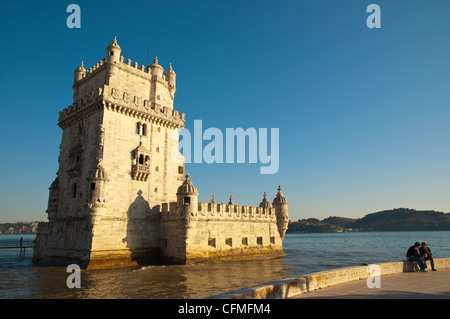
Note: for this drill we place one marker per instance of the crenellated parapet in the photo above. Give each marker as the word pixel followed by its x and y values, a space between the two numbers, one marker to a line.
pixel 84 106
pixel 123 103
pixel 194 231
pixel 221 212
pixel 235 212
pixel 153 72
pixel 101 86
pixel 82 74
pixel 204 211
pixel 147 73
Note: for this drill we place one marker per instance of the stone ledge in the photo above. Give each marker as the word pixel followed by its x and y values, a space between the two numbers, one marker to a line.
pixel 286 288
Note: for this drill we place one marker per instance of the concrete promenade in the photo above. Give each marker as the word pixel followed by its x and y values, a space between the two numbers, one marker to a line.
pixel 396 280
pixel 406 285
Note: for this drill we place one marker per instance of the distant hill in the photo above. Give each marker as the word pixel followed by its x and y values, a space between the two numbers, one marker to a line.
pixel 405 219
pixel 399 219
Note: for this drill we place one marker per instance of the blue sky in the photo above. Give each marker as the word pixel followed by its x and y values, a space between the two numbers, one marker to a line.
pixel 362 113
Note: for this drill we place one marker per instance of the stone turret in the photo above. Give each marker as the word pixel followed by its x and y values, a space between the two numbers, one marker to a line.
pixel 187 200
pixel 281 207
pixel 79 72
pixel 112 58
pixel 97 194
pixel 170 78
pixel 53 199
pixel 156 69
pixel 113 52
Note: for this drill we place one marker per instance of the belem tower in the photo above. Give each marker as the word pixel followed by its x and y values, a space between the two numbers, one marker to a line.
pixel 120 198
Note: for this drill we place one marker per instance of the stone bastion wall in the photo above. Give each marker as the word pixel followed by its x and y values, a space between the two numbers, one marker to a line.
pixel 290 287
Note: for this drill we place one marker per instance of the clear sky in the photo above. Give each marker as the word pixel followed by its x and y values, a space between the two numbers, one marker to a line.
pixel 363 114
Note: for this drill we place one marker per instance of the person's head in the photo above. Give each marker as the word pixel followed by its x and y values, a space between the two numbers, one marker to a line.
pixel 424 244
pixel 417 244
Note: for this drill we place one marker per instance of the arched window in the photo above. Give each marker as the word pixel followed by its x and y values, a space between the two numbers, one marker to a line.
pixel 141 129
pixel 138 128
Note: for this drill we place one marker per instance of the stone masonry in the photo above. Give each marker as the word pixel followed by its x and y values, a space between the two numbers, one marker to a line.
pixel 121 196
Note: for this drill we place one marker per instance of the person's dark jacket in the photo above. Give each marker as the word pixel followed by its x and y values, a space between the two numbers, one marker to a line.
pixel 423 252
pixel 412 252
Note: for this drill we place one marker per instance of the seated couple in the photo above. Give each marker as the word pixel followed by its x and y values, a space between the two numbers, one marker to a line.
pixel 420 253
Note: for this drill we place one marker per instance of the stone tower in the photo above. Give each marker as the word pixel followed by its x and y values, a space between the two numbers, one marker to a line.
pixel 121 196
pixel 118 162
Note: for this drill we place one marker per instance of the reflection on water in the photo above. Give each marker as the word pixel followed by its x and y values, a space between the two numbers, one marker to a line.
pixel 174 281
pixel 305 253
pixel 181 281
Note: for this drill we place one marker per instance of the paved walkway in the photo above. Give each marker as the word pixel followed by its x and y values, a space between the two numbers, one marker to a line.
pixel 407 285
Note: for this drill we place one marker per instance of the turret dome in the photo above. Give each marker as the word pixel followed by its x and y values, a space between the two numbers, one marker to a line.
pixel 114 44
pixel 98 173
pixel 113 52
pixel 187 188
pixel 279 199
pixel 265 202
pixel 155 68
pixel 169 70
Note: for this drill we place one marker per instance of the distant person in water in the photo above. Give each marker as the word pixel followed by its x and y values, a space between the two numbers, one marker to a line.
pixel 425 252
pixel 413 254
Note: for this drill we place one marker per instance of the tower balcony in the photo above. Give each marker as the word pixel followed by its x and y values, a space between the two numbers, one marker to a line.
pixel 141 172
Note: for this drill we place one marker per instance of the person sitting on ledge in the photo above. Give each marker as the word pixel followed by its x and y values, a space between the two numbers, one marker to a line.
pixel 413 255
pixel 425 252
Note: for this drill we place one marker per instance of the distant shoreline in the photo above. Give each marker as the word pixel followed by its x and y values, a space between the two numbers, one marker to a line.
pixel 399 219
pixel 367 231
pixel 19 228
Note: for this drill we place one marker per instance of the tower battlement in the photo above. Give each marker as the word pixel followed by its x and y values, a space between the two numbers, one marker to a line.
pixel 223 212
pixel 82 74
pixel 121 198
pixel 143 92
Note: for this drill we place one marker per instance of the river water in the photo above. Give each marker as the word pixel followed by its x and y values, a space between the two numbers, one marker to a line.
pixel 305 253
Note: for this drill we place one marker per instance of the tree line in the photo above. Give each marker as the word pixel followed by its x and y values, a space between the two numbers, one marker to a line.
pixel 399 219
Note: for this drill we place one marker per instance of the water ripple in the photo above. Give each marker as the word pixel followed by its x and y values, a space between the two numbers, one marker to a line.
pixel 305 253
